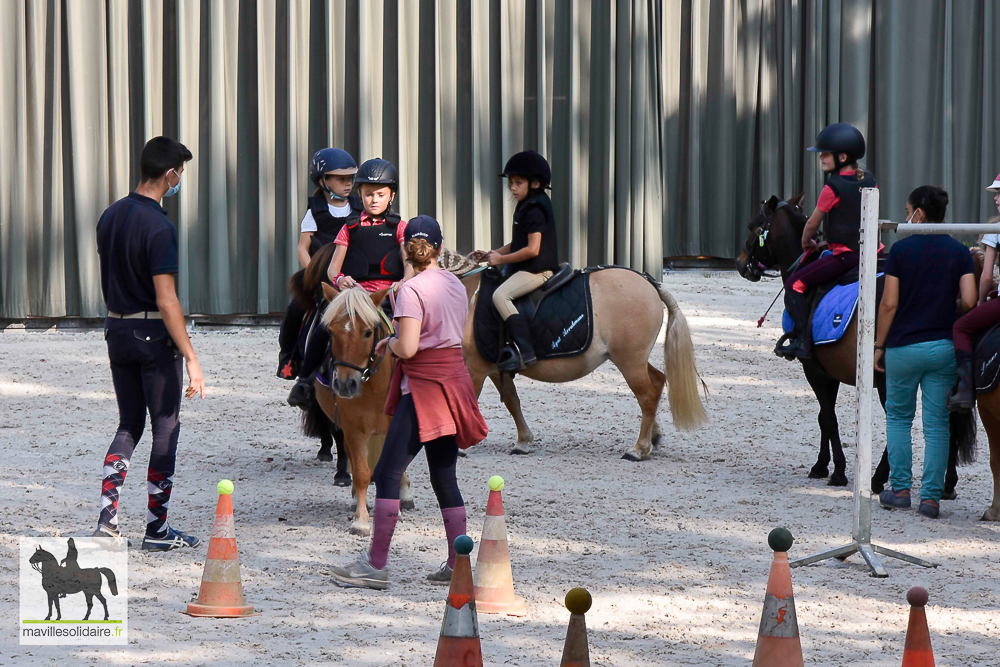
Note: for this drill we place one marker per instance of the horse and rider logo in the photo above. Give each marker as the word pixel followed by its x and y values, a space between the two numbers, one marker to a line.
pixel 59 582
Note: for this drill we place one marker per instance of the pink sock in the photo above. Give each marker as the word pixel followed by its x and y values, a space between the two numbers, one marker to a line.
pixel 454 526
pixel 386 516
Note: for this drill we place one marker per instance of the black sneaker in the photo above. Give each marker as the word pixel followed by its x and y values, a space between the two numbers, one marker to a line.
pixel 173 539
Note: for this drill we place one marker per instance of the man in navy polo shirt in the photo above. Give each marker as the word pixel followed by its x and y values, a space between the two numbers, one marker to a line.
pixel 146 338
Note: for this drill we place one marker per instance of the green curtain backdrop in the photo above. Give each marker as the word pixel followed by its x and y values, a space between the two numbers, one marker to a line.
pixel 665 121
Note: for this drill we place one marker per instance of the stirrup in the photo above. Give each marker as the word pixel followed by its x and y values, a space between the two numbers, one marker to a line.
pixel 510 360
pixel 787 346
pixel 958 403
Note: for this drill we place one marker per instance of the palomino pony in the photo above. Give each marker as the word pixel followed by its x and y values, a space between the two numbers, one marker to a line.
pixel 628 313
pixel 356 398
pixel 775 243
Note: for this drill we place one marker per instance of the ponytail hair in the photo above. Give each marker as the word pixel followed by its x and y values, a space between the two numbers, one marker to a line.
pixel 933 201
pixel 420 253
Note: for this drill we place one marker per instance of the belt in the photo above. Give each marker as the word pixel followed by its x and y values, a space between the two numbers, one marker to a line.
pixel 144 315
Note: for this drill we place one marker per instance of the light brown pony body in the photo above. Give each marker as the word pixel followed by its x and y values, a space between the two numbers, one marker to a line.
pixel 628 314
pixel 358 405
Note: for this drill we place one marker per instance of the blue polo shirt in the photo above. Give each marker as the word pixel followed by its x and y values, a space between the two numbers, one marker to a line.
pixel 929 267
pixel 136 241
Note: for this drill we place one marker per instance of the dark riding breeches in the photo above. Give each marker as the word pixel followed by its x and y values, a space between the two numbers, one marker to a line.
pixel 820 272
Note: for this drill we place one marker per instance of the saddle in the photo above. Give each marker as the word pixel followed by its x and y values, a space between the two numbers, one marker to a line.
pixel 832 306
pixel 560 314
pixel 986 360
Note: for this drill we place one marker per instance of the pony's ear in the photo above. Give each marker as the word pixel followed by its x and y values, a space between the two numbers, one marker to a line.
pixel 329 292
pixel 378 297
pixel 796 201
pixel 771 203
pixel 38 548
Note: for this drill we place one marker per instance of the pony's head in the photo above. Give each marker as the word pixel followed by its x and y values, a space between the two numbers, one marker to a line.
pixel 39 558
pixel 356 325
pixel 775 238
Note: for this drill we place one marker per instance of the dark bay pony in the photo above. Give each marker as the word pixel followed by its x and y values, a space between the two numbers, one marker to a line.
pixel 989 412
pixel 774 244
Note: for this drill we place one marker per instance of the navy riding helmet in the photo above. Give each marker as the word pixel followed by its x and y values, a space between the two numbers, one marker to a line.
pixel 840 138
pixel 529 164
pixel 331 161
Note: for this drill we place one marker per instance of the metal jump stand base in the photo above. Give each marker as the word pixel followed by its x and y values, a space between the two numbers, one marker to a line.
pixel 868 551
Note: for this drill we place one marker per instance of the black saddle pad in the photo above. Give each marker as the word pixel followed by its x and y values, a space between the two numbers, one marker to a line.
pixel 986 367
pixel 562 324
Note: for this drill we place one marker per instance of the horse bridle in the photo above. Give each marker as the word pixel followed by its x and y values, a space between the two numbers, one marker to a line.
pixel 374 360
pixel 758 265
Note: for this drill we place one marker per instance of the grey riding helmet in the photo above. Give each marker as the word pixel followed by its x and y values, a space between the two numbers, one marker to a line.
pixel 378 172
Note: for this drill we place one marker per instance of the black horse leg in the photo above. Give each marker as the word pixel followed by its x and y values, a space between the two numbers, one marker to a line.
pixel 55 599
pixel 90 604
pixel 325 452
pixel 49 617
pixel 826 390
pixel 881 476
pixel 342 477
pixel 103 602
pixel 951 475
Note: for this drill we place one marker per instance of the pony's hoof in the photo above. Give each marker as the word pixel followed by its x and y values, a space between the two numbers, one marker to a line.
pixel 877 486
pixel 629 456
pixel 361 528
pixel 324 455
pixel 342 479
pixel 949 494
pixel 837 479
pixel 819 472
pixel 462 453
pixel 407 505
pixel 520 450
pixel 991 514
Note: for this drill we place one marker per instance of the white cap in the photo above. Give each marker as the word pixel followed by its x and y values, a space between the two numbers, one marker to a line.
pixel 995 187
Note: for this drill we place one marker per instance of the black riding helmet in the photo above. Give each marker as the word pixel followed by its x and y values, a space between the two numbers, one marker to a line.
pixel 840 138
pixel 378 172
pixel 529 164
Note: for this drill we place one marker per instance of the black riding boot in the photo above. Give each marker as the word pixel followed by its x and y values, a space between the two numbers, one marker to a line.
pixel 799 343
pixel 302 394
pixel 963 395
pixel 519 353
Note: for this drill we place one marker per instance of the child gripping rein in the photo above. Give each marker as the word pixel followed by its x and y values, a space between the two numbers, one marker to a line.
pixel 531 255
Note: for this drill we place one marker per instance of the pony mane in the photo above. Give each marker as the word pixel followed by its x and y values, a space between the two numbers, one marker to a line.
pixel 351 304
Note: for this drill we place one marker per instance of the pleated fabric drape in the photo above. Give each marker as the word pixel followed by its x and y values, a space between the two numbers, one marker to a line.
pixel 665 121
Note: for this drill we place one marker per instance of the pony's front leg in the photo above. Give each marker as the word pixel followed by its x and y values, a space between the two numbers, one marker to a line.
pixel 406 493
pixel 55 599
pixel 508 392
pixel 90 606
pixel 49 617
pixel 357 450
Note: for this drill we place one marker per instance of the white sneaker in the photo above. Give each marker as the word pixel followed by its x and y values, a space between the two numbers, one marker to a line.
pixel 442 575
pixel 361 574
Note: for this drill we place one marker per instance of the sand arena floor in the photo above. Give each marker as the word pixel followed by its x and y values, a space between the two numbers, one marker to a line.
pixel 673 549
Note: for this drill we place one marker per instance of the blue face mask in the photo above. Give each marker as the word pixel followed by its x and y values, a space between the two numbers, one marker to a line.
pixel 171 191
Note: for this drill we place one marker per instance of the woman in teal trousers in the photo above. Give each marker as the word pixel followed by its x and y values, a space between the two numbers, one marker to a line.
pixel 925 275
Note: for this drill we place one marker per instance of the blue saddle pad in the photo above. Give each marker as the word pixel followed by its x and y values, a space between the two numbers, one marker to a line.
pixel 833 314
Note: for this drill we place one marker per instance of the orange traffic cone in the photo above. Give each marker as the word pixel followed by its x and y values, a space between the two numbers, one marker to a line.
pixel 494 579
pixel 221 594
pixel 917 652
pixel 778 639
pixel 576 652
pixel 458 645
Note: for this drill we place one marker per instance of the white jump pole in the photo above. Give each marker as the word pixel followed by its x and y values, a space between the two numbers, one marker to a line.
pixel 862 529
